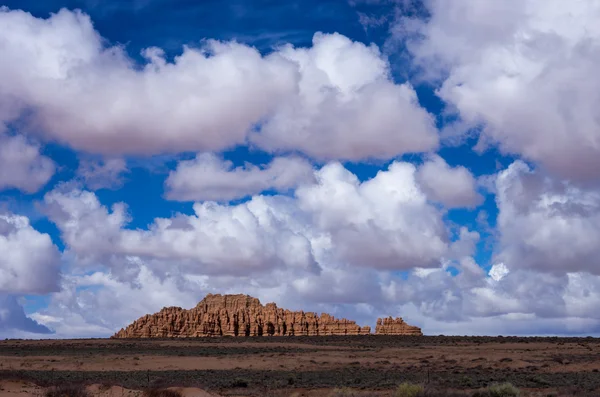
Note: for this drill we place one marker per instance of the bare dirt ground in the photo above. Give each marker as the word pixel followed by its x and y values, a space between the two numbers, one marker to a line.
pixel 301 366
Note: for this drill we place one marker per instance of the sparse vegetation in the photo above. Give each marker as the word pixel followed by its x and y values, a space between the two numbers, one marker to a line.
pixel 344 392
pixel 348 392
pixel 408 390
pixel 240 382
pixel 67 391
pixel 499 390
pixel 161 393
pixel 441 393
pixel 448 372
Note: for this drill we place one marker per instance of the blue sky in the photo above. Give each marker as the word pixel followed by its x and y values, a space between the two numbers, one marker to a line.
pixel 431 160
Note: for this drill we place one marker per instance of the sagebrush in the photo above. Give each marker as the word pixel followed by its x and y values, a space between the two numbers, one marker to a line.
pixel 499 390
pixel 408 390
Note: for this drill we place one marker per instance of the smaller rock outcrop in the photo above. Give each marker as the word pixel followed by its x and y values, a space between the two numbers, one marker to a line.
pixel 397 326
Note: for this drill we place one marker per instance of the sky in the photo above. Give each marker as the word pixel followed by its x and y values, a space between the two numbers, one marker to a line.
pixel 427 159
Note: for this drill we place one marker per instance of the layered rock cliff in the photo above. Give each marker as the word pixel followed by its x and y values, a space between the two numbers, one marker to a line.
pixel 390 326
pixel 237 315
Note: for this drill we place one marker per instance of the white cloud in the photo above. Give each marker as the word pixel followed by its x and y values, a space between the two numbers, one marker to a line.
pixel 545 280
pixel 546 265
pixel 99 304
pixel 525 70
pixel 107 105
pixel 384 222
pixel 22 166
pixel 284 249
pixel 208 177
pixel 465 245
pixel 335 99
pixel 529 302
pixel 102 174
pixel 252 237
pixel 86 226
pixel 454 187
pixel 347 106
pixel 29 263
pixel 546 224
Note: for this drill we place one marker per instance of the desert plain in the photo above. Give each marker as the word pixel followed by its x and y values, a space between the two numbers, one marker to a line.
pixel 372 365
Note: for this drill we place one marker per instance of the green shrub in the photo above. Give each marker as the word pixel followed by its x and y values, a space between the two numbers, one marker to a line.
pixel 466 381
pixel 408 390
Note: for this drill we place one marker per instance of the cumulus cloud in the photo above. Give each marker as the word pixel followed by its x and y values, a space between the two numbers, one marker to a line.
pixel 98 304
pixel 522 70
pixel 208 177
pixel 254 236
pixel 454 187
pixel 545 267
pixel 384 222
pixel 22 166
pixel 205 100
pixel 546 224
pixel 347 106
pixel 333 100
pixel 521 301
pixel 30 262
pixel 102 174
pixel 304 252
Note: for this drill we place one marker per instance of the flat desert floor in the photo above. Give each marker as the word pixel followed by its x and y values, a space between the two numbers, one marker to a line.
pixel 301 366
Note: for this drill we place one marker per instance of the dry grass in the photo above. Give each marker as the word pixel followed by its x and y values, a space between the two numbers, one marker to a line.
pixel 409 390
pixel 499 390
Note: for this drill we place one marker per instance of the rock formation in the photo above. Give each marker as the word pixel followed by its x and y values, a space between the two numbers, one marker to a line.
pixel 390 326
pixel 237 315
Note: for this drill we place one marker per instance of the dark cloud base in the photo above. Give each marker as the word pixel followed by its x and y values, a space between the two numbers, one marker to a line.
pixel 13 317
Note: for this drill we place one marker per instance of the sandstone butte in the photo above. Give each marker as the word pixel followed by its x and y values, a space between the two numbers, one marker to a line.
pixel 397 326
pixel 243 315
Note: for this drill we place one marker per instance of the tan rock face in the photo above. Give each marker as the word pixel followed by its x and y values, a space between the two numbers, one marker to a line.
pixel 390 326
pixel 237 315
